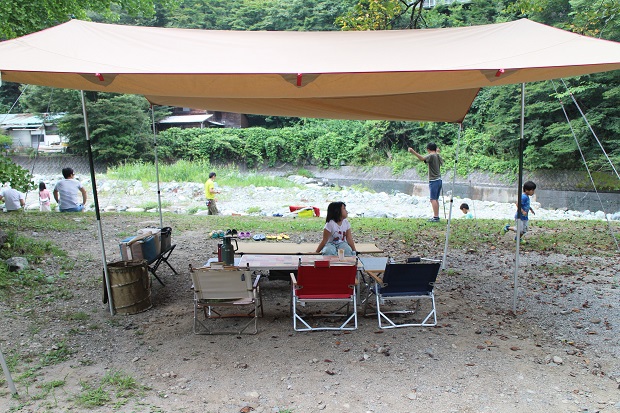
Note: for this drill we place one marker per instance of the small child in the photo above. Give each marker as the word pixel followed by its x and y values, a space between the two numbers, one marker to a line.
pixel 528 190
pixel 465 209
pixel 44 198
pixel 337 232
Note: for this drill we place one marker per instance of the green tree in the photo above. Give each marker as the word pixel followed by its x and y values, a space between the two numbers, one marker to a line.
pixel 119 127
pixel 42 99
pixel 18 18
pixel 382 15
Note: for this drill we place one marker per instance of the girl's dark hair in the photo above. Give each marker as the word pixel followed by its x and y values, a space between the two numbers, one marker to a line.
pixel 334 211
pixel 212 174
pixel 41 186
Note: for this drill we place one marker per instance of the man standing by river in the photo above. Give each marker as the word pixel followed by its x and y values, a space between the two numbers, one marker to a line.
pixel 210 192
pixel 434 162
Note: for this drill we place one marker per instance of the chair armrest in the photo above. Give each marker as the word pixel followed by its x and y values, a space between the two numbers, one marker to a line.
pixel 376 278
pixel 293 279
pixel 255 285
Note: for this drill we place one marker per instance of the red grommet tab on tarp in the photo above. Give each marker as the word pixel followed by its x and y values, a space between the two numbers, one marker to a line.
pixel 499 73
pixel 99 76
pixel 299 76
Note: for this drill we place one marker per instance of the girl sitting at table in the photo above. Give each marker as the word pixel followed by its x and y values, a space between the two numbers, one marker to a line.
pixel 337 232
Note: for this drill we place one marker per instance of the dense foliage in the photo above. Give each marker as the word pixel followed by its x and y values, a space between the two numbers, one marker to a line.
pixel 19 17
pixel 120 125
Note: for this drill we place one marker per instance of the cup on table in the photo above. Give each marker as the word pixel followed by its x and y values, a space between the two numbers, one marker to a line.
pixel 340 254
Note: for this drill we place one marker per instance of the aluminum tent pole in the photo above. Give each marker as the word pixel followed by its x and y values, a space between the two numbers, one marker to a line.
pixel 161 221
pixel 7 374
pixel 106 275
pixel 520 184
pixel 456 159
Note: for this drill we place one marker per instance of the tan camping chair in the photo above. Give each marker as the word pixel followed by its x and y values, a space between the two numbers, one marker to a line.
pixel 222 293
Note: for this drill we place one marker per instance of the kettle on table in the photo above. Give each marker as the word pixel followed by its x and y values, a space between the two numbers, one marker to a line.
pixel 228 252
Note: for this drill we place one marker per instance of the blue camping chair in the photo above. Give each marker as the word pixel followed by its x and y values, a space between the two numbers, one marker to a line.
pixel 402 285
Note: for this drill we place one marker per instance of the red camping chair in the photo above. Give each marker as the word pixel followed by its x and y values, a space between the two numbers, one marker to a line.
pixel 324 283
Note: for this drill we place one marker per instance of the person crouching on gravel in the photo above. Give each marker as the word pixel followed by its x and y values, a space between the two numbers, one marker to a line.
pixel 337 232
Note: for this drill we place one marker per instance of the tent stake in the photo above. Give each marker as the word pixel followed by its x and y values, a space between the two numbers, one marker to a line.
pixel 106 276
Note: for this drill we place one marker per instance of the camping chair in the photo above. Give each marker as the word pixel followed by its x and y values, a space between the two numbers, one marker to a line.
pixel 217 290
pixel 411 281
pixel 324 282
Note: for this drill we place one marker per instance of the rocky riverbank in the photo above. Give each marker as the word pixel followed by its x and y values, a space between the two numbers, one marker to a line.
pixel 188 198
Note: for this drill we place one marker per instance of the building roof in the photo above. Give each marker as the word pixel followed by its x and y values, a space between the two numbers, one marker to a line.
pixel 25 120
pixel 20 120
pixel 186 119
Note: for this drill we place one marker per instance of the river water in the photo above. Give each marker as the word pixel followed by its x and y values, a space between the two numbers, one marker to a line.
pixel 548 199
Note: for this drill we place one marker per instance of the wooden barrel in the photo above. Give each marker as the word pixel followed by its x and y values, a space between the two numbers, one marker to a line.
pixel 130 284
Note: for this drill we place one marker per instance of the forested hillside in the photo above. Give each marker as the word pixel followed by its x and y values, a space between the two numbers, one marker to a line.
pixel 121 124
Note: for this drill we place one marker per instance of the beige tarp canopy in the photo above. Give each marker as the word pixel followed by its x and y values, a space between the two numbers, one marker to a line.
pixel 429 75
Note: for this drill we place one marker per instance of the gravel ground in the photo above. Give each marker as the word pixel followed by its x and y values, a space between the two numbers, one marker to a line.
pixel 559 353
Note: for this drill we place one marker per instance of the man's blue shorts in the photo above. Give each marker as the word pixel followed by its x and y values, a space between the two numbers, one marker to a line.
pixel 78 208
pixel 435 188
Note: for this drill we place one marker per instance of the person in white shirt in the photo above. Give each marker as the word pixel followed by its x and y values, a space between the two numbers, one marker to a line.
pixel 13 199
pixel 66 193
pixel 337 232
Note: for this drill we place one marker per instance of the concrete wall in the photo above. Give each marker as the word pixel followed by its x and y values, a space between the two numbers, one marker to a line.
pixel 46 164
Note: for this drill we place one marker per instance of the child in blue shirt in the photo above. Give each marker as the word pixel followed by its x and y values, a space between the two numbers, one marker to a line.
pixel 465 209
pixel 528 190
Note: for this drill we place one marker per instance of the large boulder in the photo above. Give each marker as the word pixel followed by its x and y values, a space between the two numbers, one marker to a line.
pixel 17 263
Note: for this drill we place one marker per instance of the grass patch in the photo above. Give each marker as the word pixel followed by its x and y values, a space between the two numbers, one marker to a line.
pixel 565 237
pixel 77 316
pixel 47 222
pixel 57 355
pixel 92 397
pixel 361 188
pixel 305 173
pixel 154 205
pixel 195 171
pixel 33 249
pixel 115 388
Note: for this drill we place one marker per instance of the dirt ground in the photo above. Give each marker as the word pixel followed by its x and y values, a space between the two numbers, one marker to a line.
pixel 559 353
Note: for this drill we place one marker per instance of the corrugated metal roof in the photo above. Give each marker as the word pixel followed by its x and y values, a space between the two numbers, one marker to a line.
pixel 20 120
pixel 186 119
pixel 23 120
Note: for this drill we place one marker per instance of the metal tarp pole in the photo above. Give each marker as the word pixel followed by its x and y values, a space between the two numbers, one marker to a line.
pixel 456 159
pixel 106 275
pixel 518 215
pixel 161 221
pixel 7 374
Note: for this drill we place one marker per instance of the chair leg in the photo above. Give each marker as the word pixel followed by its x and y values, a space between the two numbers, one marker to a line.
pixel 350 316
pixel 389 323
